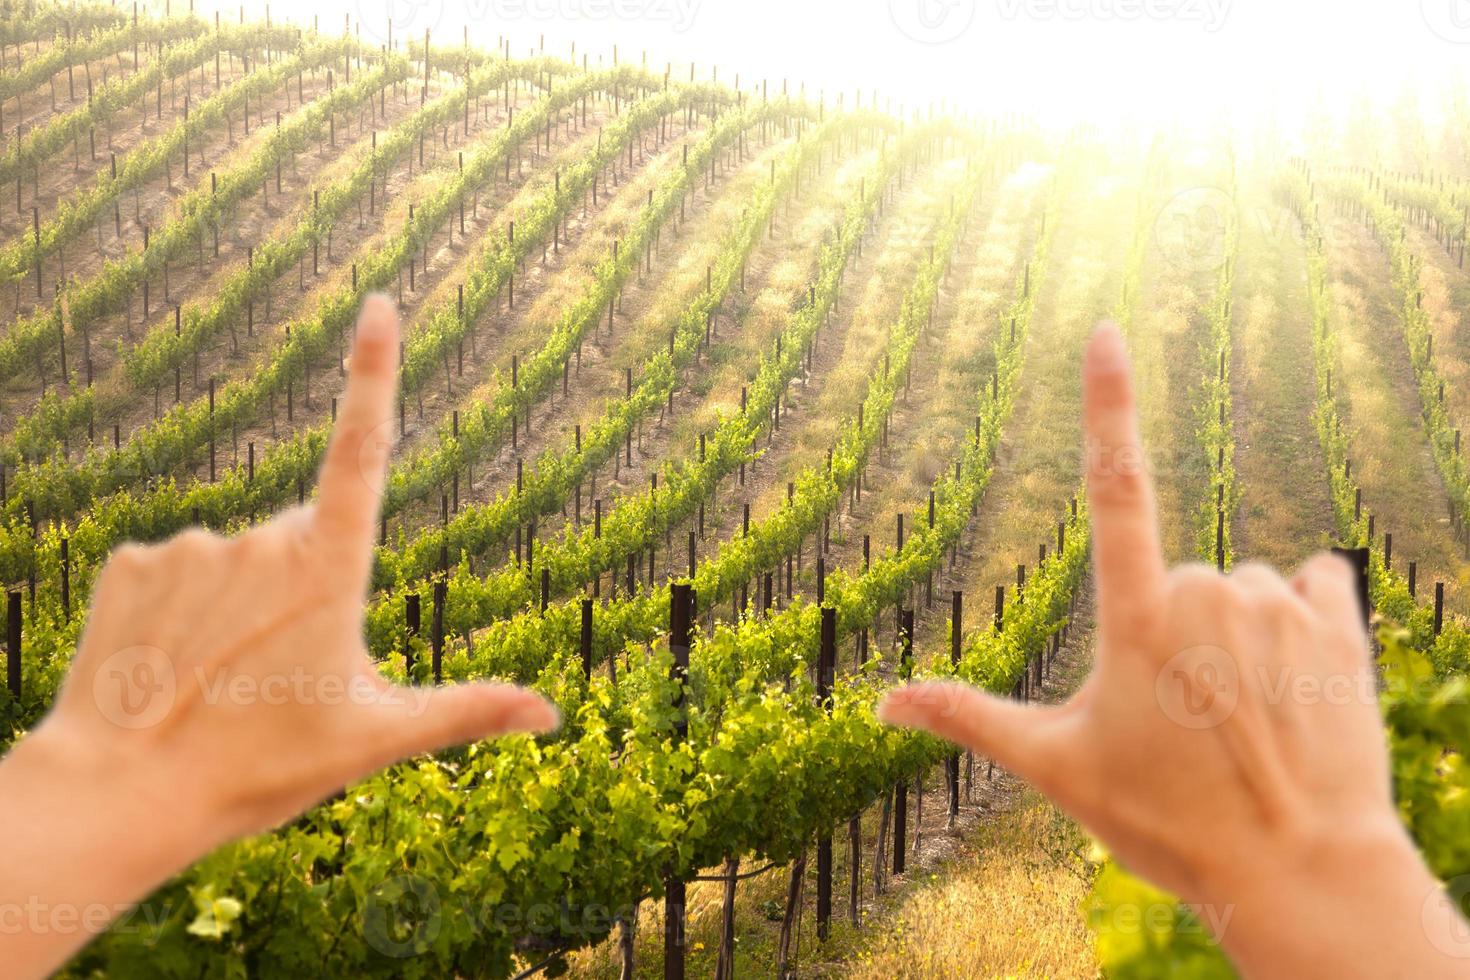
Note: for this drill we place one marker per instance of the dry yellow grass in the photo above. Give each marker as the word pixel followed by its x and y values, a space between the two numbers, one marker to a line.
pixel 1006 909
pixel 1003 896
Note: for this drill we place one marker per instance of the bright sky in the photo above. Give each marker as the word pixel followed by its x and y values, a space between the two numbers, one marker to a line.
pixel 1105 61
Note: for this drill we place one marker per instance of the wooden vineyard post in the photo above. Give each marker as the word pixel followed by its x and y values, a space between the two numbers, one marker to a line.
pixel 1358 558
pixel 674 939
pixel 66 579
pixel 952 765
pixel 901 791
pixel 1438 607
pixel 36 228
pixel 1220 539
pixel 441 589
pixel 826 670
pixel 1000 622
pixel 411 622
pixel 12 642
pixel 211 431
pixel 585 644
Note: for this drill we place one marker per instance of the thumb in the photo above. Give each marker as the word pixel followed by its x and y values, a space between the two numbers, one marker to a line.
pixel 1016 736
pixel 428 719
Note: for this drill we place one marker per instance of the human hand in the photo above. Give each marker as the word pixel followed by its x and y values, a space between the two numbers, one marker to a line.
pixel 1227 744
pixel 222 685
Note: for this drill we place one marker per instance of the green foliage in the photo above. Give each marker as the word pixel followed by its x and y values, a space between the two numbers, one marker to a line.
pixel 81 210
pixel 85 47
pixel 26 22
pixel 153 361
pixel 552 478
pixel 174 441
pixel 1215 428
pixel 641 519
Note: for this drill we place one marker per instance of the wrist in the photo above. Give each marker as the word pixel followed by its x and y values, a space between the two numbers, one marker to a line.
pixel 116 816
pixel 84 835
pixel 1353 899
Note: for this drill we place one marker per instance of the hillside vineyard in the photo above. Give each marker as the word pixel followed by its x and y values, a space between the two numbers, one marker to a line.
pixel 724 407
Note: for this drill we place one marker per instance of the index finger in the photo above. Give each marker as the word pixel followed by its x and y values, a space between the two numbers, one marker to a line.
pixel 357 457
pixel 1129 559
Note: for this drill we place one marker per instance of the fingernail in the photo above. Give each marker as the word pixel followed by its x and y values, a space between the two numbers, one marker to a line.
pixel 898 709
pixel 376 322
pixel 1106 349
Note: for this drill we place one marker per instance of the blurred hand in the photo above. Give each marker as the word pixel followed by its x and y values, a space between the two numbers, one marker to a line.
pixel 222 684
pixel 1227 744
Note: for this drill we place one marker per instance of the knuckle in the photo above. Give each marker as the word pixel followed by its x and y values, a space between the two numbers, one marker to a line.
pixel 243 546
pixel 1261 580
pixel 128 567
pixel 1197 590
pixel 1328 567
pixel 1281 611
pixel 299 547
pixel 349 442
pixel 1142 623
pixel 128 559
pixel 1116 488
pixel 193 544
pixel 1196 579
